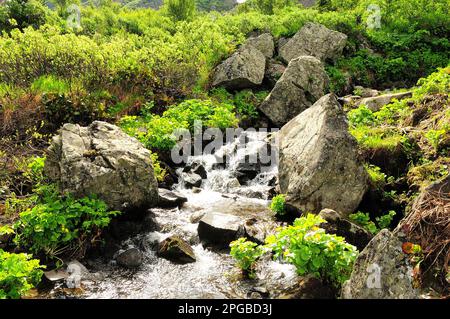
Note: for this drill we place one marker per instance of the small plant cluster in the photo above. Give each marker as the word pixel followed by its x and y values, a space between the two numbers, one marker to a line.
pixel 246 253
pixel 245 102
pixel 61 225
pixel 305 245
pixel 278 205
pixel 377 178
pixel 363 219
pixel 156 132
pixel 18 274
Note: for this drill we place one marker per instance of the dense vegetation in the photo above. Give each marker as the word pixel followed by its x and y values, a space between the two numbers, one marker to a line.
pixel 149 72
pixel 305 245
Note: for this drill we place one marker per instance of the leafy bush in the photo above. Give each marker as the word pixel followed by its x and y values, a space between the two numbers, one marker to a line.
pixel 385 221
pixel 58 225
pixel 72 108
pixel 363 219
pixel 313 251
pixel 245 102
pixel 245 253
pixel 157 132
pixel 18 274
pixel 437 82
pixel 218 115
pixel 268 6
pixel 361 116
pixel 378 179
pixel 22 14
pixel 278 205
pixel 49 84
pixel 160 173
pixel 35 170
pixel 180 10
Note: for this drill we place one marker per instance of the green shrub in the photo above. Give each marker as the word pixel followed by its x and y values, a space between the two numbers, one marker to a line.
pixel 219 115
pixel 313 251
pixel 71 108
pixel 154 132
pixel 268 6
pixel 363 219
pixel 245 253
pixel 160 173
pixel 18 274
pixel 61 225
pixel 378 179
pixel 49 84
pixel 385 221
pixel 437 82
pixel 361 116
pixel 278 204
pixel 378 137
pixel 158 131
pixel 35 170
pixel 22 13
pixel 180 10
pixel 435 137
pixel 245 102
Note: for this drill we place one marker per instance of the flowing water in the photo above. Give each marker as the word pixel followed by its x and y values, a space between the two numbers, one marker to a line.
pixel 213 275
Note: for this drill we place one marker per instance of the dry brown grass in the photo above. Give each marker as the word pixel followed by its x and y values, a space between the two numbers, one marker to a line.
pixel 428 225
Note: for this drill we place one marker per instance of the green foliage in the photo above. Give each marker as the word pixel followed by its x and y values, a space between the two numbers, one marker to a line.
pixel 278 205
pixel 377 178
pixel 49 84
pixel 363 219
pixel 35 170
pixel 58 225
pixel 215 5
pixel 385 221
pixel 245 253
pixel 378 137
pixel 435 137
pixel 268 6
pixel 218 115
pixel 437 82
pixel 18 274
pixel 245 102
pixel 313 251
pixel 361 116
pixel 160 173
pixel 304 245
pixel 23 13
pixel 70 108
pixel 180 10
pixel 158 131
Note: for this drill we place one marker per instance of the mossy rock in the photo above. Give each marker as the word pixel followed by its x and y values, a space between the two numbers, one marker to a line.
pixel 177 250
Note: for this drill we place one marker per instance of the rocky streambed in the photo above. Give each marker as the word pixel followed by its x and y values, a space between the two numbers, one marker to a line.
pixel 231 200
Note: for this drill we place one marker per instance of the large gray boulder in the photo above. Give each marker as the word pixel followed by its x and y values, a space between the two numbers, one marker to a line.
pixel 381 271
pixel 101 159
pixel 316 40
pixel 319 165
pixel 263 43
pixel 302 84
pixel 244 69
